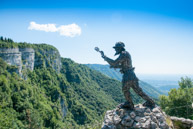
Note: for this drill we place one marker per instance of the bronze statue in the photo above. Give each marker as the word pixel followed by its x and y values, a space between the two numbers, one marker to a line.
pixel 129 80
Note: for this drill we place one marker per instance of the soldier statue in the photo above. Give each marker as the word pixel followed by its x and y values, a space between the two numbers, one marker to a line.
pixel 129 80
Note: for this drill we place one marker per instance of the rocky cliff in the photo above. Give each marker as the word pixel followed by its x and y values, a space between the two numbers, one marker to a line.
pixel 182 123
pixel 28 57
pixel 12 56
pixel 48 58
pixel 31 57
pixel 139 118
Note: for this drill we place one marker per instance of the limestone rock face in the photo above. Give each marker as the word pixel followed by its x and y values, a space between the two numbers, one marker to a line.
pixel 55 60
pixel 28 56
pixel 22 58
pixel 63 107
pixel 12 56
pixel 139 118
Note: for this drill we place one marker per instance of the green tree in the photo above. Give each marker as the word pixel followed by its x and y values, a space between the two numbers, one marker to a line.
pixel 1 38
pixel 178 102
pixel 186 83
pixel 5 39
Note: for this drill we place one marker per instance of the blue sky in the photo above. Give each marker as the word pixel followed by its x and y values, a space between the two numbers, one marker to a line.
pixel 157 33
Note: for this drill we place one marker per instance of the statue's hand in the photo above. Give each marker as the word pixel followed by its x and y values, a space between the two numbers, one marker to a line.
pixel 102 54
pixel 98 50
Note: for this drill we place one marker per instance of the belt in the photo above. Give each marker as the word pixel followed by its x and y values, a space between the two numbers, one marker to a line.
pixel 127 70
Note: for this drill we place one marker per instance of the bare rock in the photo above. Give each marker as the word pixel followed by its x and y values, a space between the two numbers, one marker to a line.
pixel 182 122
pixel 139 118
pixel 116 119
pixel 127 121
pixel 132 114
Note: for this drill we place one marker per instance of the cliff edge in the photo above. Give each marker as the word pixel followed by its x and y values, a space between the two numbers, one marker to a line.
pixel 29 56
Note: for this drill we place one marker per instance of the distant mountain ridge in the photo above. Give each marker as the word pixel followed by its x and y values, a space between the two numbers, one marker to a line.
pixel 113 73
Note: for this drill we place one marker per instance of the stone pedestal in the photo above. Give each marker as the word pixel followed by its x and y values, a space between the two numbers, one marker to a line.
pixel 139 118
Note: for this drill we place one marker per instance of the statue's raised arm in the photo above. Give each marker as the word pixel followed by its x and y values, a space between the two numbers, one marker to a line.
pixel 98 50
pixel 112 63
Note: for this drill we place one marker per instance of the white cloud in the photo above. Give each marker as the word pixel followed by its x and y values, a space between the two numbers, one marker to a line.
pixel 70 30
pixel 43 27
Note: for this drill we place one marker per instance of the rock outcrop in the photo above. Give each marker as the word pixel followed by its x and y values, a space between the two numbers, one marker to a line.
pixel 63 107
pixel 139 118
pixel 12 56
pixel 48 58
pixel 28 58
pixel 181 123
pixel 22 58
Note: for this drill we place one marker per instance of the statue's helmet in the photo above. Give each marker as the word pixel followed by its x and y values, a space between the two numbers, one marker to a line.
pixel 119 45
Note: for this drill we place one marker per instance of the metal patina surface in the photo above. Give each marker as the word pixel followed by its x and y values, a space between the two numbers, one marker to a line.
pixel 129 80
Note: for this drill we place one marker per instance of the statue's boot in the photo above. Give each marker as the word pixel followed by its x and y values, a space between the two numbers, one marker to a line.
pixel 149 104
pixel 126 105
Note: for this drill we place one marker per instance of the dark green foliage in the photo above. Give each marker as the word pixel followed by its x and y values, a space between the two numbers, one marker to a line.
pixel 7 43
pixel 6 39
pixel 1 38
pixel 186 83
pixel 44 54
pixel 94 91
pixel 24 104
pixel 179 101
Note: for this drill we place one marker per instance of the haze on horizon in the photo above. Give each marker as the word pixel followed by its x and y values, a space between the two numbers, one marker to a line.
pixel 158 34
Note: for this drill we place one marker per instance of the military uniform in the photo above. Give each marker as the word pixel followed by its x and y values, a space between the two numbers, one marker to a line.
pixel 129 80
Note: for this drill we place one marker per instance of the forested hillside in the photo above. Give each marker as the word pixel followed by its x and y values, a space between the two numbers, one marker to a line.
pixel 43 97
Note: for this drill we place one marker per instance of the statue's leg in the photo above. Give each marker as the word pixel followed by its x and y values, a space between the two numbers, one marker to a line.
pixel 125 88
pixel 140 92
